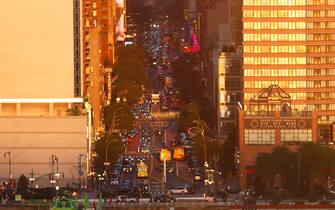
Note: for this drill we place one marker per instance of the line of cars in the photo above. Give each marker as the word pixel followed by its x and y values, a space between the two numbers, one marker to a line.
pixel 195 165
pixel 145 140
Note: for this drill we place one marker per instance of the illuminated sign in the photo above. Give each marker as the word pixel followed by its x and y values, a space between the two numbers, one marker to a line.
pixel 272 123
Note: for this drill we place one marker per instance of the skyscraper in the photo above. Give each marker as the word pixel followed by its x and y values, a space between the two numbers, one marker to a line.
pixel 40 90
pixel 290 43
pixel 98 54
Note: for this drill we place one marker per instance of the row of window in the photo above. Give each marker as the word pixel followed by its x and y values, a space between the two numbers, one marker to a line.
pixel 274 37
pixel 305 96
pixel 274 60
pixel 274 25
pixel 294 96
pixel 275 49
pixel 326 119
pixel 289 25
pixel 288 13
pixel 297 107
pixel 257 136
pixel 296 135
pixel 288 60
pixel 289 49
pixel 283 84
pixel 321 60
pixel 290 84
pixel 289 37
pixel 289 72
pixel 323 95
pixel 287 2
pixel 274 13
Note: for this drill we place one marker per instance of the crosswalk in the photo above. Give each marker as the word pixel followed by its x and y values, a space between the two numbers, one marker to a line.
pixel 158 124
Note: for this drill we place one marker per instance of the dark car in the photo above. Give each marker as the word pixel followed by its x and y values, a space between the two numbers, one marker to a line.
pixel 159 132
pixel 175 143
pixel 126 185
pixel 162 198
pixel 127 168
pixel 197 175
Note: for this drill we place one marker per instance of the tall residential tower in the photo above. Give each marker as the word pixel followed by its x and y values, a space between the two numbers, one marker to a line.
pixel 291 43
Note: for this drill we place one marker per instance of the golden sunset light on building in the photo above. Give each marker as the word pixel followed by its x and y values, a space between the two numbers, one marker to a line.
pixel 291 43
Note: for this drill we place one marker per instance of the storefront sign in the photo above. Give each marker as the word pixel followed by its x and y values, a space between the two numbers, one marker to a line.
pixel 272 123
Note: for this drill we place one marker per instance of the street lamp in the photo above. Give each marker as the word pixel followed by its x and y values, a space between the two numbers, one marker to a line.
pixel 108 143
pixel 9 164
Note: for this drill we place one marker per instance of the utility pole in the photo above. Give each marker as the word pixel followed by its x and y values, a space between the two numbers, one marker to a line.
pixel 164 177
pixel 31 178
pixel 9 165
pixel 298 172
pixel 80 172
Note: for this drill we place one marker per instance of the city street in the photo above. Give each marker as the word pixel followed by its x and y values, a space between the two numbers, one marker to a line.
pixel 177 171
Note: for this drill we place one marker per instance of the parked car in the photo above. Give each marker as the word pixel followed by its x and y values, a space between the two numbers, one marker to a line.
pixel 197 175
pixel 162 198
pixel 178 190
pixel 126 185
pixel 114 180
pixel 127 168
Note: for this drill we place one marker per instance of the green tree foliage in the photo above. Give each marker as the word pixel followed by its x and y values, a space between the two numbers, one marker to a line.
pixel 73 111
pixel 311 165
pixel 227 160
pixel 133 51
pixel 132 69
pixel 317 163
pixel 124 119
pixel 189 113
pixel 188 82
pixel 22 183
pixel 114 146
pixel 131 90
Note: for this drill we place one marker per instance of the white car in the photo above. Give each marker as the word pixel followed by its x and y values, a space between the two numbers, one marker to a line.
pixel 178 190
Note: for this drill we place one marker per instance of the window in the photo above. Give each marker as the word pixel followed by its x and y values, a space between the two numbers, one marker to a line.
pixel 296 135
pixel 257 136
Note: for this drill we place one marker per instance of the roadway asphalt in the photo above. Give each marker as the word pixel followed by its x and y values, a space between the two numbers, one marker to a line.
pixel 180 173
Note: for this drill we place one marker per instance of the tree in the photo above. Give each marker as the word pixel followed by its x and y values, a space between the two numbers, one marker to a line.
pixel 132 69
pixel 133 51
pixel 131 90
pixel 317 163
pixel 114 146
pixel 22 183
pixel 189 113
pixel 73 111
pixel 280 162
pixel 124 119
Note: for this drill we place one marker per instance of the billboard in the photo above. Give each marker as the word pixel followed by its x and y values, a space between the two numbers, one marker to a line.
pixel 37 49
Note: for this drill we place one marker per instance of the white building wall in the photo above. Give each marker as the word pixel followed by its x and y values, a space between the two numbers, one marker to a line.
pixel 32 140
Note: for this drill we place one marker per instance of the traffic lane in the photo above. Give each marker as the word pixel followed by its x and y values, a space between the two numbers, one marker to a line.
pixel 156 85
pixel 133 144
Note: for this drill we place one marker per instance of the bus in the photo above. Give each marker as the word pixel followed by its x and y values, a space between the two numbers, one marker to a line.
pixel 142 170
pixel 178 153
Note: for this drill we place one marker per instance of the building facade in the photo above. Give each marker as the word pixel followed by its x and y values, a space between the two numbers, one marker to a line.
pixel 290 43
pixel 220 28
pixel 40 91
pixel 99 45
pixel 229 89
pixel 275 124
pixel 259 133
pixel 31 141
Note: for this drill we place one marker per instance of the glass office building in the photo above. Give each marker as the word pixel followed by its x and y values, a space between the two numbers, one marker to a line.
pixel 291 43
